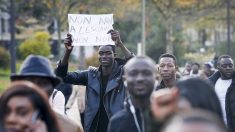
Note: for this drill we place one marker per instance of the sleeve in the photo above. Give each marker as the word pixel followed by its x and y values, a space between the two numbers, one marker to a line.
pixel 128 58
pixel 113 125
pixel 77 77
pixel 58 103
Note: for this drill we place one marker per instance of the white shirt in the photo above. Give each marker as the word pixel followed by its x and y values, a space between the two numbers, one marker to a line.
pixel 221 87
pixel 58 102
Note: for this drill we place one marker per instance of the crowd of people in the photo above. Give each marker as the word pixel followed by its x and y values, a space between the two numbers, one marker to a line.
pixel 134 94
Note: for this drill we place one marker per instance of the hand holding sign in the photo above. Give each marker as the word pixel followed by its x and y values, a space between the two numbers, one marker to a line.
pixel 115 37
pixel 68 42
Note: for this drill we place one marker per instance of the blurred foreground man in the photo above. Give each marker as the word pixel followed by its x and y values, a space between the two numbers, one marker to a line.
pixel 140 82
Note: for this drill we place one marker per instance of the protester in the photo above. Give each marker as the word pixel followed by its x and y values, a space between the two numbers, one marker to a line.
pixel 185 96
pixel 195 121
pixel 224 85
pixel 37 69
pixel 195 72
pixel 24 107
pixel 167 69
pixel 105 92
pixel 207 70
pixel 139 79
pixel 187 69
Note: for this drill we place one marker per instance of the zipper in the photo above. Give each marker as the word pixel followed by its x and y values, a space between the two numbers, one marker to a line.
pixel 104 106
pixel 142 120
pixel 98 109
pixel 97 121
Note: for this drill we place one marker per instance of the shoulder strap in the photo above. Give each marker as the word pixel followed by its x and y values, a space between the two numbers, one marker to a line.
pixel 53 94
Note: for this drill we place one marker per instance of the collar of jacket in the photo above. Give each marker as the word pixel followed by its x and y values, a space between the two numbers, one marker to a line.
pixel 115 76
pixel 162 85
pixel 217 75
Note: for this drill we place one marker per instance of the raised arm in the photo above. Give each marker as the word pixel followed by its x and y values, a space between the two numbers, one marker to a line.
pixel 77 77
pixel 68 49
pixel 118 42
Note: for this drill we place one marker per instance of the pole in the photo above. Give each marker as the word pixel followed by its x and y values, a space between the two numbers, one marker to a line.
pixel 228 28
pixel 143 28
pixel 12 32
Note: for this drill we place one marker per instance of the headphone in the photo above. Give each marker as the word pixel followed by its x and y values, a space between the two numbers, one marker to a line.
pixel 132 109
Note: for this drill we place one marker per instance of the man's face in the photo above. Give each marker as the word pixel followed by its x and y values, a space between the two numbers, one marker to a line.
pixel 140 78
pixel 206 69
pixel 106 56
pixel 226 67
pixel 167 68
pixel 188 67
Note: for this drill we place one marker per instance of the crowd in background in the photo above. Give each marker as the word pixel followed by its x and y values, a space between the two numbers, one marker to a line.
pixel 134 94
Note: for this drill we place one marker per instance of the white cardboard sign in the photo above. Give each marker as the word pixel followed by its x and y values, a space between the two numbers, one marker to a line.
pixel 90 30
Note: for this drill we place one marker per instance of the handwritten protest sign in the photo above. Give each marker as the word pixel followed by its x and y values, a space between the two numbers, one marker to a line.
pixel 90 30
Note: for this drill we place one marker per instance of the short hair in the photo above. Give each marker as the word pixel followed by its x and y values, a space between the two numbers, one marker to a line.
pixel 147 59
pixel 222 57
pixel 200 94
pixel 168 55
pixel 195 63
pixel 112 46
pixel 189 62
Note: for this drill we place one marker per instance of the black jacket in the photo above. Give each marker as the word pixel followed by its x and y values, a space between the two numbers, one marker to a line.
pixel 229 100
pixel 114 95
pixel 124 121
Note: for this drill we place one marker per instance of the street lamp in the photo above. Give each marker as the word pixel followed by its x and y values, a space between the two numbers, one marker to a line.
pixel 12 32
pixel 143 28
pixel 228 28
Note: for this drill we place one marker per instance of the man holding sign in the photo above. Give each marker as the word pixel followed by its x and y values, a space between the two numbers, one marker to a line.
pixel 105 91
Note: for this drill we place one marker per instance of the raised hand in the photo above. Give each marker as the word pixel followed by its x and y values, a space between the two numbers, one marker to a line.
pixel 164 103
pixel 68 42
pixel 115 37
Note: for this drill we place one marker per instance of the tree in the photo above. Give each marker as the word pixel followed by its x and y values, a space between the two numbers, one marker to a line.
pixel 38 45
pixel 178 11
